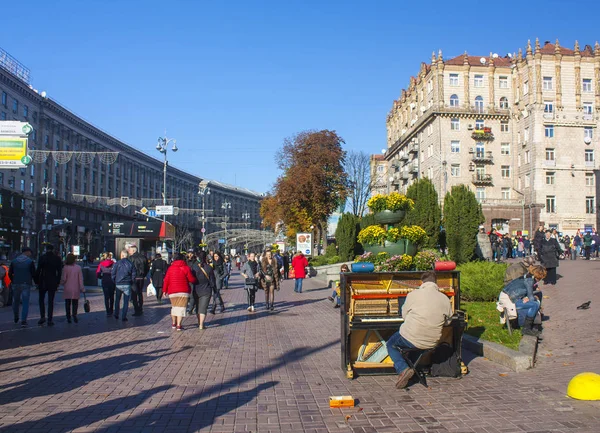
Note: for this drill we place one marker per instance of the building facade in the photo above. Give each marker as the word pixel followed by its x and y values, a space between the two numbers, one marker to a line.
pixel 379 174
pixel 520 130
pixel 83 187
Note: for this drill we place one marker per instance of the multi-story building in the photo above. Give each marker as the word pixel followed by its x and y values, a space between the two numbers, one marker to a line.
pixel 379 173
pixel 82 186
pixel 520 130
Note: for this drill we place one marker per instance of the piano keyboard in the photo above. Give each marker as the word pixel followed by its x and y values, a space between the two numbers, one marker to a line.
pixel 381 319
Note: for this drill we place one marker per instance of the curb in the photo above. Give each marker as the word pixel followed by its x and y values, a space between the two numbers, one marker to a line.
pixel 516 361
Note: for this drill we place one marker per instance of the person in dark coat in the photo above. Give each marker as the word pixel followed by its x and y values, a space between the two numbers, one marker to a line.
pixel 48 276
pixel 203 290
pixel 537 240
pixel 218 265
pixel 141 268
pixel 158 270
pixel 104 272
pixel 286 265
pixel 549 253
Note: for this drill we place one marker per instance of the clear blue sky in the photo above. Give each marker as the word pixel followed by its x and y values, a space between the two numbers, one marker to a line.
pixel 230 80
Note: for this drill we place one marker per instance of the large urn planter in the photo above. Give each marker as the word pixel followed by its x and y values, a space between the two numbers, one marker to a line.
pixel 402 246
pixel 389 217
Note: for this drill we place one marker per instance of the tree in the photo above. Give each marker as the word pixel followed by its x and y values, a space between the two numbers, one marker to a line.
pixel 427 212
pixel 358 167
pixel 313 183
pixel 462 217
pixel 346 236
pixel 183 239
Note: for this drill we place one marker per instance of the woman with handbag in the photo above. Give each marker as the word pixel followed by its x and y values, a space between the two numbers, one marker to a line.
pixel 104 272
pixel 251 274
pixel 204 289
pixel 177 287
pixel 72 282
pixel 218 265
pixel 269 271
pixel 549 254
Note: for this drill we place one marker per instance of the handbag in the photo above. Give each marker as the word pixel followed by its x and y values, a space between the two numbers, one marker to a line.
pixel 250 281
pixel 86 304
pixel 150 290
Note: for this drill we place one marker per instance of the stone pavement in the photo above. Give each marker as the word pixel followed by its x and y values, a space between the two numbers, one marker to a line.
pixel 274 372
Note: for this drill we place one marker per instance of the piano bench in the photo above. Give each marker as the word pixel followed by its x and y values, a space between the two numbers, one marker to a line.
pixel 406 354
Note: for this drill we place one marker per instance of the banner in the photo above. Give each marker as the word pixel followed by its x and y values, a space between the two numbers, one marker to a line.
pixel 304 243
pixel 13 152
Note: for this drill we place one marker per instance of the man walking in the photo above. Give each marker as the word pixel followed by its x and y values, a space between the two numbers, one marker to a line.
pixel 140 264
pixel 286 265
pixel 49 271
pixel 22 273
pixel 299 263
pixel 123 274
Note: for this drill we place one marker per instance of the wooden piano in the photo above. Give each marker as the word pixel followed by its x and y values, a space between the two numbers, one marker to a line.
pixel 371 305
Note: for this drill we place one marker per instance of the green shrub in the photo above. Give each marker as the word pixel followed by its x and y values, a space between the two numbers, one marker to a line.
pixel 318 261
pixel 481 281
pixel 331 250
pixel 333 260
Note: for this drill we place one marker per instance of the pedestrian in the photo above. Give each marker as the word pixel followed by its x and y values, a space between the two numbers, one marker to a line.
pixel 72 282
pixel 549 254
pixel 238 262
pixel 521 293
pixel 537 239
pixel 269 271
pixel 286 265
pixel 527 246
pixel 299 264
pixel 139 286
pixel 227 264
pixel 251 274
pixel 104 273
pixel 203 290
pixel 587 244
pixel 484 246
pixel 192 300
pixel 158 270
pixel 123 275
pixel 48 277
pixel 22 273
pixel 277 256
pixel 218 265
pixel 177 287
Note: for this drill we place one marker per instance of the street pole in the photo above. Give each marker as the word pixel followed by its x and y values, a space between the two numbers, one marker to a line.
pixel 46 191
pixel 163 146
pixel 203 190
pixel 226 205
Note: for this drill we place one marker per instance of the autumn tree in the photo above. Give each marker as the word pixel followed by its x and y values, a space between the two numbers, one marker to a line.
pixel 462 216
pixel 358 167
pixel 312 185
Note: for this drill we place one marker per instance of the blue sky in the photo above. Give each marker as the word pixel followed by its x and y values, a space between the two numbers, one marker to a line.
pixel 230 80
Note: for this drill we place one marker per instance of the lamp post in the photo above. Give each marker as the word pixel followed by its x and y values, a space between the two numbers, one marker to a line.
pixel 203 190
pixel 163 146
pixel 225 205
pixel 46 191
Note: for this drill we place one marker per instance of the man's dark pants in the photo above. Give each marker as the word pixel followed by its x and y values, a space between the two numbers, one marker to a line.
pixel 42 298
pixel 137 297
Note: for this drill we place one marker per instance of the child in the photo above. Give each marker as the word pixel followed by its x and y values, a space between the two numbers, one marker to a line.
pixel 335 295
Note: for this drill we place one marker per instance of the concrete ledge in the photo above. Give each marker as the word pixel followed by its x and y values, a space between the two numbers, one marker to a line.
pixel 499 354
pixel 327 273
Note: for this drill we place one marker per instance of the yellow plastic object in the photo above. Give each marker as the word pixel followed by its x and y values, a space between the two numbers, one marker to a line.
pixel 585 386
pixel 341 401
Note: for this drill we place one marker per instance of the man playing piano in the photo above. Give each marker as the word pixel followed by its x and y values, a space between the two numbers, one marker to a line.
pixel 424 312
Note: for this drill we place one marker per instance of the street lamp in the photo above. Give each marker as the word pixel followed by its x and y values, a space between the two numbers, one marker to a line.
pixel 163 146
pixel 225 205
pixel 47 191
pixel 203 190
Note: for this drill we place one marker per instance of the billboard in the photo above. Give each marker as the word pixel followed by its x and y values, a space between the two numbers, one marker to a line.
pixel 13 152
pixel 304 243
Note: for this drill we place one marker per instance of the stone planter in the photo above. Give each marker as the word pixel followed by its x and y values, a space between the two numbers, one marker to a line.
pixel 402 246
pixel 389 217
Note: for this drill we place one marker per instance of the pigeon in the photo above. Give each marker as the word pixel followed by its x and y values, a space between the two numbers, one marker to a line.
pixel 584 306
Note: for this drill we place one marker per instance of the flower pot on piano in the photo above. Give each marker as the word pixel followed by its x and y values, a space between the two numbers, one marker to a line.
pixel 401 246
pixel 389 217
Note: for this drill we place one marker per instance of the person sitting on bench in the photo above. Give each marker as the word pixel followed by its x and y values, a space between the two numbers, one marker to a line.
pixel 520 292
pixel 424 312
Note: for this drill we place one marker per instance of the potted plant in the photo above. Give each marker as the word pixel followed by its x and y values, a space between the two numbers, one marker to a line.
pixel 389 209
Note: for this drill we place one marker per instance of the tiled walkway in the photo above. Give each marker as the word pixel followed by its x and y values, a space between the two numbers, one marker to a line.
pixel 274 372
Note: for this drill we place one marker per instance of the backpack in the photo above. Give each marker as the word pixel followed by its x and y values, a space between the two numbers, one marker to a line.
pixel 4 276
pixel 445 362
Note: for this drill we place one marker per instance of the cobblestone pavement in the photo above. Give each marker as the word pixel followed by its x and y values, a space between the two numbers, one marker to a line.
pixel 274 372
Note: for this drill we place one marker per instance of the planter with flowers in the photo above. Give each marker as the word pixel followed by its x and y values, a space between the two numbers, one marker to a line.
pixel 395 241
pixel 391 208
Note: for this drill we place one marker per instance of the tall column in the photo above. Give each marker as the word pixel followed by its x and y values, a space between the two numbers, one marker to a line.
pixel 530 69
pixel 467 80
pixel 597 73
pixel 440 80
pixel 557 69
pixel 538 72
pixel 491 77
pixel 577 76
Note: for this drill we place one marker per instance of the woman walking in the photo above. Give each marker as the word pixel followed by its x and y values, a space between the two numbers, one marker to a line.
pixel 103 273
pixel 251 274
pixel 177 287
pixel 227 265
pixel 218 265
pixel 269 271
pixel 204 288
pixel 158 270
pixel 549 253
pixel 72 282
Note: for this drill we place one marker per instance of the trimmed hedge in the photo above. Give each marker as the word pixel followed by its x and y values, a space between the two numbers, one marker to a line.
pixel 481 281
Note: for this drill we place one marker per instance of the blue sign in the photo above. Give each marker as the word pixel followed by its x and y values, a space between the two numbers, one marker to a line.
pixel 307 252
pixel 221 241
pixel 152 213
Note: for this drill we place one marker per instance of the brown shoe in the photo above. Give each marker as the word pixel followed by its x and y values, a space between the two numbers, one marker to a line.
pixel 404 377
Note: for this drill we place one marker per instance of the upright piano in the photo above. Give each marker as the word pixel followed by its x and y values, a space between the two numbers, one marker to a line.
pixel 371 311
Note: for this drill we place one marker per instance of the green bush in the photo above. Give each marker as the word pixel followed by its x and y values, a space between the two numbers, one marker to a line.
pixel 331 250
pixel 481 281
pixel 333 260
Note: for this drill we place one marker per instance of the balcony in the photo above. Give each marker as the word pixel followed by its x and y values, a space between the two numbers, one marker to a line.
pixel 482 179
pixel 404 175
pixel 484 157
pixel 413 148
pixel 483 134
pixel 413 168
pixel 403 157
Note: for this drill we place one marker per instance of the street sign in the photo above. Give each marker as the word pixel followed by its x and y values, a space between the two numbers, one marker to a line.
pixel 203 230
pixel 144 210
pixel 57 222
pixel 15 128
pixel 151 213
pixel 75 249
pixel 164 210
pixel 221 241
pixel 13 152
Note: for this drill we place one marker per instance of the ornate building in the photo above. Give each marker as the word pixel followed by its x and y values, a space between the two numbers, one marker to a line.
pixel 519 130
pixel 82 187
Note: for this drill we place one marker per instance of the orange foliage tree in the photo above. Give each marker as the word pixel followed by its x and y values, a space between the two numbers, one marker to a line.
pixel 312 185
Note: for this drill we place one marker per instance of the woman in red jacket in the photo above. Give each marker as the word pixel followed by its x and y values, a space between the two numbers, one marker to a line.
pixel 299 263
pixel 177 287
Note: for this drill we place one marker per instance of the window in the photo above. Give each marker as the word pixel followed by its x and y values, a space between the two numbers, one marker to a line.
pixel 455 170
pixel 519 160
pixel 430 130
pixel 589 155
pixel 3 116
pixel 550 204
pixel 526 135
pixel 590 205
pixel 454 102
pixel 527 157
pixel 455 146
pixel 550 176
pixel 503 82
pixel 478 80
pixel 549 131
pixel 550 154
pixel 46 140
pixel 32 170
pixel 504 126
pixel 11 182
pixel 31 188
pixel 380 168
pixel 506 193
pixel 22 185
pixel 479 150
pixel 589 179
pixel 519 183
pixel 504 103
pixel 15 106
pixel 588 133
pixel 454 80
pixel 25 111
pixel 504 148
pixel 1 183
pixel 588 108
pixel 480 193
pixel 4 99
pixel 479 124
pixel 429 86
pixel 525 87
pixel 547 83
pixel 587 85
pixel 505 169
pixel 548 106
pixel 479 104
pixel 455 124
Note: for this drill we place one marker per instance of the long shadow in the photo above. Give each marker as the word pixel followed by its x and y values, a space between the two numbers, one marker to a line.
pixel 83 354
pixel 5 361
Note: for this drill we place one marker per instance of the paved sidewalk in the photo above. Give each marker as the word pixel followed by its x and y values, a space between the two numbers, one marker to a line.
pixel 274 372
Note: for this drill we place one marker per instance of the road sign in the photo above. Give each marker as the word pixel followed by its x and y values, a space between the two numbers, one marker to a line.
pixel 144 210
pixel 151 213
pixel 164 210
pixel 203 230
pixel 57 222
pixel 221 241
pixel 13 152
pixel 15 128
